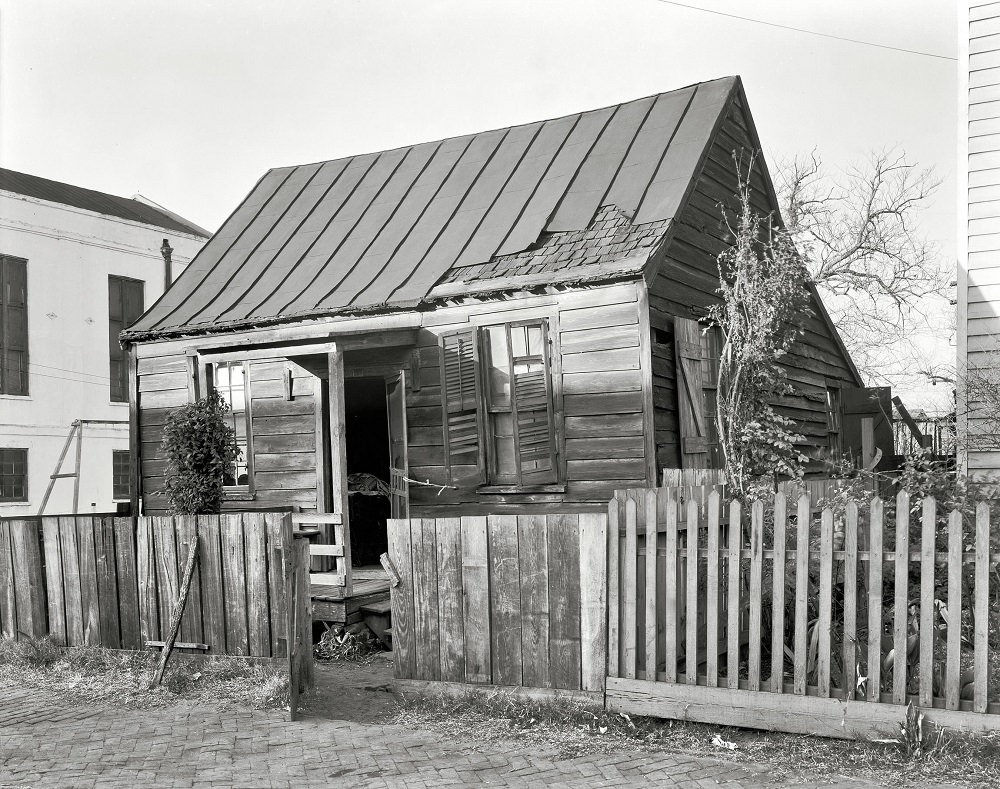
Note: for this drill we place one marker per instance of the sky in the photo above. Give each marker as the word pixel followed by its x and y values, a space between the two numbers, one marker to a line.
pixel 189 102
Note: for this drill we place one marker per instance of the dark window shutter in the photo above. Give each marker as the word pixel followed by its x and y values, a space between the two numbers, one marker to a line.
pixel 14 327
pixel 690 395
pixel 125 305
pixel 461 397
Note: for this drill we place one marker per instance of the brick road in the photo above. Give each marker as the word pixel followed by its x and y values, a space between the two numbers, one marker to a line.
pixel 45 744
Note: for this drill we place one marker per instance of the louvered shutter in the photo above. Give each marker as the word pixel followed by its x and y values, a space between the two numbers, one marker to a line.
pixel 690 395
pixel 14 326
pixel 532 398
pixel 461 398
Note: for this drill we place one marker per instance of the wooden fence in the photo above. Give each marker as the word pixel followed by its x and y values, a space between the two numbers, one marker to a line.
pixel 843 620
pixel 501 600
pixel 112 582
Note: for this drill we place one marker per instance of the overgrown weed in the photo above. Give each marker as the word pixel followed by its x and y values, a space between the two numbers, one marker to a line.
pixel 340 644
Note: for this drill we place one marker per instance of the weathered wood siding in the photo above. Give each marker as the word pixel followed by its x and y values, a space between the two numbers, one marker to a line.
pixel 687 278
pixel 979 231
pixel 597 388
pixel 283 431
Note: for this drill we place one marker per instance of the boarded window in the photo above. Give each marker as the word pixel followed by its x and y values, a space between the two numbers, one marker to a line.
pixel 497 397
pixel 13 474
pixel 120 474
pixel 834 411
pixel 13 326
pixel 125 305
pixel 230 379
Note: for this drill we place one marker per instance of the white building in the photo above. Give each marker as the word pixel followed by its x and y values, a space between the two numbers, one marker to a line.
pixel 76 267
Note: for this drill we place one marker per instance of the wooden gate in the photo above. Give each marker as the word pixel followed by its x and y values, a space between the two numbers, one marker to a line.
pixel 845 623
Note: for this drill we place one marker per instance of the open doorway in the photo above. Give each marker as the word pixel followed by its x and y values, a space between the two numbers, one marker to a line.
pixel 368 463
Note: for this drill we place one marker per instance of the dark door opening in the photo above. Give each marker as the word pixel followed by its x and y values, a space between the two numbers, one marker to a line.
pixel 367 433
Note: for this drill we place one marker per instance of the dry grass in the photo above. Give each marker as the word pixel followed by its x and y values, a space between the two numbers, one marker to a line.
pixel 121 678
pixel 573 730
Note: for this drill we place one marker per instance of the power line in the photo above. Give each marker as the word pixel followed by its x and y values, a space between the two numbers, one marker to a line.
pixel 804 30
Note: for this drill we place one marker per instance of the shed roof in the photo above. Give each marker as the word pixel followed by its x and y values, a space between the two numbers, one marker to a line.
pixel 98 202
pixel 381 230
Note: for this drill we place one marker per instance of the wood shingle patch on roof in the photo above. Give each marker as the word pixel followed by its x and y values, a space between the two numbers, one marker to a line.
pixel 388 229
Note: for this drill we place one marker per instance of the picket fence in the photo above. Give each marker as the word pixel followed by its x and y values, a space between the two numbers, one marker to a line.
pixel 824 630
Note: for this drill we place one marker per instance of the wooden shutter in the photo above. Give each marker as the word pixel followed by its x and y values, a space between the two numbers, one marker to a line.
pixel 532 400
pixel 13 326
pixel 125 305
pixel 461 397
pixel 690 395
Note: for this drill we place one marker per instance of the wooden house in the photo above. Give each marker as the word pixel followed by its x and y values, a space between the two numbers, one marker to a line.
pixel 499 322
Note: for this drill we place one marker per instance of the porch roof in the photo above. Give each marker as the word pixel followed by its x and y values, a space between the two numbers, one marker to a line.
pixel 585 196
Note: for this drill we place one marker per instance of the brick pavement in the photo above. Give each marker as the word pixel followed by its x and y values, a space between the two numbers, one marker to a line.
pixel 45 744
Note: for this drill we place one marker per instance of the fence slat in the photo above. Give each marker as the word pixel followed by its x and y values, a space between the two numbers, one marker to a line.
pixel 981 612
pixel 476 603
pixel 733 604
pixel 953 664
pixel 234 583
pixel 401 553
pixel 451 630
pixel 149 615
pixel 756 570
pixel 89 599
pixel 650 596
pixel 279 545
pixel 927 603
pixel 107 582
pixel 825 603
pixel 875 554
pixel 801 595
pixel 425 597
pixel 670 589
pixel 712 594
pixel 593 600
pixel 26 561
pixel 629 591
pixel 505 595
pixel 564 600
pixel 8 604
pixel 128 590
pixel 54 591
pixel 533 561
pixel 213 601
pixel 850 645
pixel 255 551
pixel 691 614
pixel 778 595
pixel 901 604
pixel 614 596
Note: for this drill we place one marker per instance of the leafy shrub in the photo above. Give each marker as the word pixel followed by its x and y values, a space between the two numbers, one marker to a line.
pixel 200 447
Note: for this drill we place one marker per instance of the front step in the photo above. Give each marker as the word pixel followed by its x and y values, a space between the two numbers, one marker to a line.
pixel 378 617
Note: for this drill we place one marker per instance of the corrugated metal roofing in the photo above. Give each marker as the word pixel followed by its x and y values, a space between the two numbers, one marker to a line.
pixel 382 229
pixel 98 202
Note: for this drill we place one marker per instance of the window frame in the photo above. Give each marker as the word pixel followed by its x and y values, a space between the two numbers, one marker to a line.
pixel 115 352
pixel 5 339
pixel 116 454
pixel 245 491
pixel 11 499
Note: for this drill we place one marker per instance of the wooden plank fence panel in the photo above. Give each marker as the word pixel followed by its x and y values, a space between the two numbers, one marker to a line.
pixel 801 596
pixel 649 504
pixel 733 594
pixel 901 598
pixel 564 600
pixel 691 613
pixel 629 591
pixel 234 584
pixel 874 681
pixel 756 588
pixel 670 630
pixel 614 589
pixel 403 647
pixel 778 595
pixel 107 582
pixel 29 590
pixel 89 599
pixel 213 601
pixel 927 602
pixel 505 594
pixel 425 598
pixel 476 602
pixel 953 664
pixel 255 548
pixel 126 562
pixel 451 626
pixel 849 652
pixel 712 594
pixel 825 602
pixel 278 530
pixel 8 604
pixel 981 610
pixel 149 618
pixel 54 590
pixel 533 567
pixel 593 601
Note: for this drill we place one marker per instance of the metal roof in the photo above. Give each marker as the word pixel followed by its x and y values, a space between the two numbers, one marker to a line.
pixel 98 202
pixel 380 230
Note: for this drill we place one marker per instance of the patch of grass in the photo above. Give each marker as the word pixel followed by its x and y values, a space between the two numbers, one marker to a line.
pixel 577 729
pixel 122 677
pixel 340 644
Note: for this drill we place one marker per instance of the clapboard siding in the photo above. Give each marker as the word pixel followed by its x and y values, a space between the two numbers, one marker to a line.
pixel 686 284
pixel 979 231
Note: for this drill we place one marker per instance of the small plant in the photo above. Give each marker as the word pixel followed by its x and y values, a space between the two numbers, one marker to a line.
pixel 30 652
pixel 340 644
pixel 200 448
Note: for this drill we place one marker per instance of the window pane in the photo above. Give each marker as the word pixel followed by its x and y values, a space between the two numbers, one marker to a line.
pixel 519 340
pixel 13 474
pixel 230 383
pixel 506 457
pixel 497 371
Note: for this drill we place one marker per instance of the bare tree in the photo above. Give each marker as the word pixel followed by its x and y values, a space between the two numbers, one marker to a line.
pixel 858 233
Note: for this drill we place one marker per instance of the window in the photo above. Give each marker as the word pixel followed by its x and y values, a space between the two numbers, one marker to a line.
pixel 13 474
pixel 231 381
pixel 120 473
pixel 13 326
pixel 497 398
pixel 125 305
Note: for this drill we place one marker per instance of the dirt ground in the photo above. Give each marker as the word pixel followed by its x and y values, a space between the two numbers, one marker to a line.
pixel 352 691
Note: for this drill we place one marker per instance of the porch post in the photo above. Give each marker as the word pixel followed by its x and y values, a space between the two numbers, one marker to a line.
pixel 338 455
